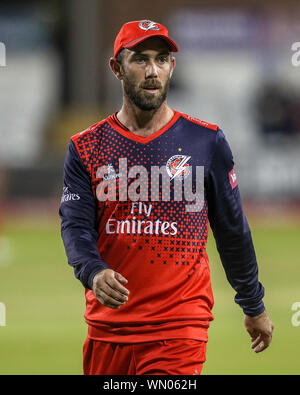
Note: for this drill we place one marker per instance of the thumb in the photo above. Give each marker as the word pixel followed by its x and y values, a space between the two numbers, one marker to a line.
pixel 120 278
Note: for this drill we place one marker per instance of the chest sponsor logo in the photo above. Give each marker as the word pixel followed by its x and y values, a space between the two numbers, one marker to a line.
pixel 136 224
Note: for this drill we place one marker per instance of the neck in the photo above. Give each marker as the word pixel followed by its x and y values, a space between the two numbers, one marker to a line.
pixel 144 123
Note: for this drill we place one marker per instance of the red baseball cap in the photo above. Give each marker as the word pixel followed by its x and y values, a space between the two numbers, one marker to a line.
pixel 133 33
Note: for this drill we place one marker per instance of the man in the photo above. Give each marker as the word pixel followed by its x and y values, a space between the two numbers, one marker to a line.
pixel 139 190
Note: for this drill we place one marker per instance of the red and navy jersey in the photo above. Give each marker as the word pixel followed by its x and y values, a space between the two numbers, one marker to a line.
pixel 142 206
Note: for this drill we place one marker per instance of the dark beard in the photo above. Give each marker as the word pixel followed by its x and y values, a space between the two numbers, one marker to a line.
pixel 141 99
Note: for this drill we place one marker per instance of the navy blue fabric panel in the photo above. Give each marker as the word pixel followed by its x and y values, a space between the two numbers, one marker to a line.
pixel 78 220
pixel 231 230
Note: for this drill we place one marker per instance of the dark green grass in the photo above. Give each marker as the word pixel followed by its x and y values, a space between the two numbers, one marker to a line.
pixel 45 305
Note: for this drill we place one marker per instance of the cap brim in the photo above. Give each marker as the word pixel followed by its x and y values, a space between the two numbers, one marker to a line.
pixel 171 43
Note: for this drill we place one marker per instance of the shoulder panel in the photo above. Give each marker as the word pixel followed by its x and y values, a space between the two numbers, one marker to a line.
pixel 200 122
pixel 88 130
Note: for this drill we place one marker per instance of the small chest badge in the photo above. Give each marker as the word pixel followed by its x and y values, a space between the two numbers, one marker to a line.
pixel 177 166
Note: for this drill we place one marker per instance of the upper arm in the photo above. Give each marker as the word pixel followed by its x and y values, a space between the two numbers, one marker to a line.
pixel 78 203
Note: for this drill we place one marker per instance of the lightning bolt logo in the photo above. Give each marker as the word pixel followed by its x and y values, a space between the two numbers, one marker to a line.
pixel 177 165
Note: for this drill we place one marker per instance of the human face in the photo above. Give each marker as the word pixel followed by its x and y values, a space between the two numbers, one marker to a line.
pixel 147 70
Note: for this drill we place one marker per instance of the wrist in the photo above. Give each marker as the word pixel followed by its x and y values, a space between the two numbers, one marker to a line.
pixel 93 277
pixel 258 316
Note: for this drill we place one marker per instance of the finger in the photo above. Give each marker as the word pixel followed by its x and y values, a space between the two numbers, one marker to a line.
pixel 105 304
pixel 106 288
pixel 120 278
pixel 256 341
pixel 114 284
pixel 108 299
pixel 265 342
pixel 253 333
pixel 105 291
pixel 261 347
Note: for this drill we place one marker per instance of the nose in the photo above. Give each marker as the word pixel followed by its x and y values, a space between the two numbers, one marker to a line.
pixel 151 70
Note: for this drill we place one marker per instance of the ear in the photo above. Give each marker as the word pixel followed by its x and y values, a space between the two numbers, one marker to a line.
pixel 116 68
pixel 173 64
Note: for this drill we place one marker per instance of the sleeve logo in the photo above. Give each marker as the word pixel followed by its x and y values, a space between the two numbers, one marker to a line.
pixel 67 195
pixel 232 179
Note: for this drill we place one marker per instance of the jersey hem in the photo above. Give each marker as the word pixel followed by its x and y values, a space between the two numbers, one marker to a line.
pixel 123 335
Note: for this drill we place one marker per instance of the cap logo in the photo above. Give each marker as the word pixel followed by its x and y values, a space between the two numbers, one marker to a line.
pixel 148 25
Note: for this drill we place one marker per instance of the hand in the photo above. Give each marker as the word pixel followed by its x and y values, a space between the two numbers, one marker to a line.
pixel 108 288
pixel 260 329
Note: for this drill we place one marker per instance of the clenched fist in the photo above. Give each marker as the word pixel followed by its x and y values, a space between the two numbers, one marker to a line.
pixel 108 288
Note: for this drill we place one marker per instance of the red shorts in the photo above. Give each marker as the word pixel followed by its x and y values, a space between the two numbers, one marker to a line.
pixel 169 357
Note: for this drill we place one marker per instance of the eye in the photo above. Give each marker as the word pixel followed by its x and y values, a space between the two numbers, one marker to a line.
pixel 140 60
pixel 163 59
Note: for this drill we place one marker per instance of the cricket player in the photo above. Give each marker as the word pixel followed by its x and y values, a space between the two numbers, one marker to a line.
pixel 141 188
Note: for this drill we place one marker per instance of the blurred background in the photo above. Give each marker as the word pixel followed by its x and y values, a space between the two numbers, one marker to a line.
pixel 237 67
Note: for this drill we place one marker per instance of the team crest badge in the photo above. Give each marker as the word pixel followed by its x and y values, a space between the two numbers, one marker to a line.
pixel 148 25
pixel 177 166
